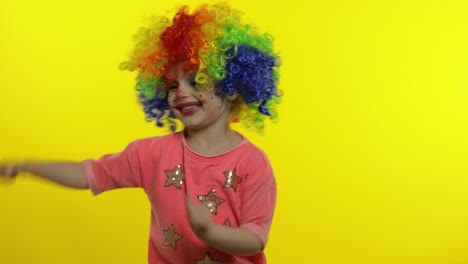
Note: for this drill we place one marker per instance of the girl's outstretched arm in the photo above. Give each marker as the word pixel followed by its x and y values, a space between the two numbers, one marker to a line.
pixel 71 174
pixel 236 241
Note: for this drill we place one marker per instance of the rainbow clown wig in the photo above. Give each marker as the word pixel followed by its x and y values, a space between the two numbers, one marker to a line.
pixel 225 55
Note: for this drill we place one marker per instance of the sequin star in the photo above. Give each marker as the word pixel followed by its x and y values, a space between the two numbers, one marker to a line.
pixel 171 237
pixel 232 179
pixel 211 201
pixel 207 260
pixel 227 222
pixel 175 177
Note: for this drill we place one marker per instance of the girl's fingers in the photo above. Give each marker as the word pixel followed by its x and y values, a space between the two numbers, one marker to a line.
pixel 8 170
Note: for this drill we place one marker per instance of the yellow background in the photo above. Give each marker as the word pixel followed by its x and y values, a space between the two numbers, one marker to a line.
pixel 370 152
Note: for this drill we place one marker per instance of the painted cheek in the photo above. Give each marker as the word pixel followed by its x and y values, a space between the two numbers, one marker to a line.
pixel 202 98
pixel 171 98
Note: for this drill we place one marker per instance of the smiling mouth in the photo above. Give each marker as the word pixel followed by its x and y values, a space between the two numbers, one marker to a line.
pixel 189 109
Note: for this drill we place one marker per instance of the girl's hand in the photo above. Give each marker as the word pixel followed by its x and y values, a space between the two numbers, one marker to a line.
pixel 236 241
pixel 199 218
pixel 9 170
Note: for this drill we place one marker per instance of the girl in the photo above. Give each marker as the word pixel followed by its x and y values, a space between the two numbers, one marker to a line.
pixel 212 192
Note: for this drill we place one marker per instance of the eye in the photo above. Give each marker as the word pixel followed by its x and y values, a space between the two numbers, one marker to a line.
pixel 193 83
pixel 171 86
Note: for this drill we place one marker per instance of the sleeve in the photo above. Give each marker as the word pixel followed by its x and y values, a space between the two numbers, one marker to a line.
pixel 114 170
pixel 258 201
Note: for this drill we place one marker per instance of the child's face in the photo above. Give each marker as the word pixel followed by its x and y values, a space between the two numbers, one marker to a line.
pixel 196 109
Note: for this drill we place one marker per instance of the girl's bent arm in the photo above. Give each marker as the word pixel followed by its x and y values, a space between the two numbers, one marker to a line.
pixel 236 241
pixel 71 174
pixel 233 240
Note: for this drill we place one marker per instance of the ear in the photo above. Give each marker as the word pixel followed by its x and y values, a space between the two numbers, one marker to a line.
pixel 233 96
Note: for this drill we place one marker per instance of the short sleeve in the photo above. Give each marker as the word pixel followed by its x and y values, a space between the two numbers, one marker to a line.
pixel 114 170
pixel 258 201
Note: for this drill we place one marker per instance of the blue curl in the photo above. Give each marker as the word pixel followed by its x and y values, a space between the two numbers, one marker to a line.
pixel 157 109
pixel 251 73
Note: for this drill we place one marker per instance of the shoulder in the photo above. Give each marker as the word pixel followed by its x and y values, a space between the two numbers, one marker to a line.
pixel 253 152
pixel 152 146
pixel 155 141
pixel 254 163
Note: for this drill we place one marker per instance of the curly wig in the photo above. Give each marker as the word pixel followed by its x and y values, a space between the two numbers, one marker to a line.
pixel 226 55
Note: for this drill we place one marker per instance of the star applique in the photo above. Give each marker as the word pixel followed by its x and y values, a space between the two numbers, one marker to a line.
pixel 211 201
pixel 227 222
pixel 171 237
pixel 175 177
pixel 207 260
pixel 232 179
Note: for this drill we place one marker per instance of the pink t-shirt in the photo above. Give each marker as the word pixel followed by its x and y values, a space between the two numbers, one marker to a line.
pixel 238 187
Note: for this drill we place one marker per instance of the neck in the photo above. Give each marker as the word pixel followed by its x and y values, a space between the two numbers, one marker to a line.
pixel 211 142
